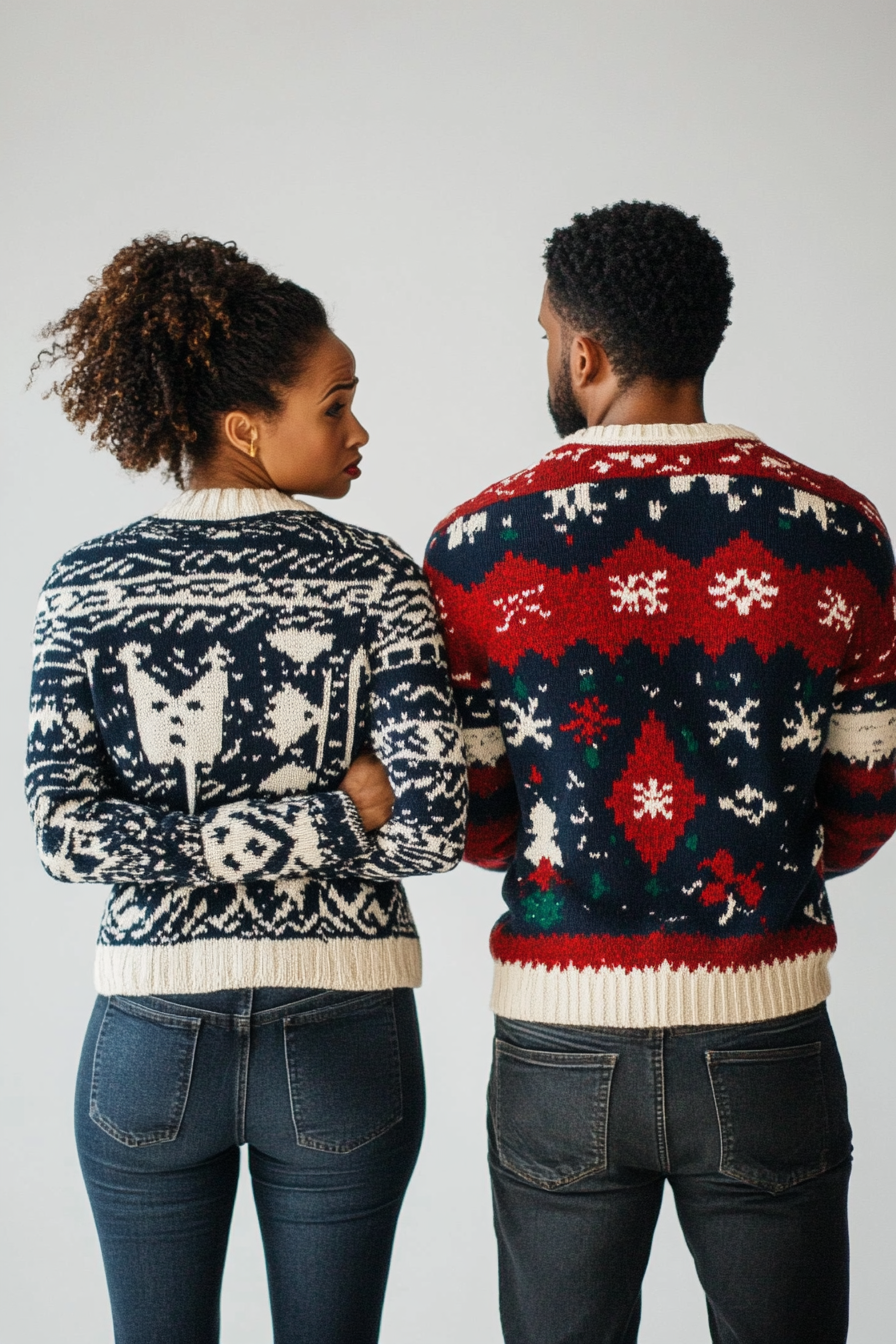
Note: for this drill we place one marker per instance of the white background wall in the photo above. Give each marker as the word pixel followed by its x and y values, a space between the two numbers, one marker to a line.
pixel 406 161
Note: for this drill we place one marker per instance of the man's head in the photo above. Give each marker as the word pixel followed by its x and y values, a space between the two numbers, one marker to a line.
pixel 637 296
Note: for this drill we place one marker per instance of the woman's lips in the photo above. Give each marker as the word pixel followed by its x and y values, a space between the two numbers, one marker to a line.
pixel 353 471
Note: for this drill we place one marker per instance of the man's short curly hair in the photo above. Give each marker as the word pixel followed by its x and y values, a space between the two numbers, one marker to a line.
pixel 647 281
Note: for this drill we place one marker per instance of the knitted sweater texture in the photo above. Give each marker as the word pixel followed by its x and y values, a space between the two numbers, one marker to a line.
pixel 674 652
pixel 202 680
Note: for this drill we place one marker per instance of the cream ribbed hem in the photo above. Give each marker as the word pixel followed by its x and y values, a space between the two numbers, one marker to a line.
pixel 209 964
pixel 631 435
pixel 215 505
pixel 661 997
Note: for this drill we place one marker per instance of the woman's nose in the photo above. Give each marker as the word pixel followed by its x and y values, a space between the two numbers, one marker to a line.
pixel 360 436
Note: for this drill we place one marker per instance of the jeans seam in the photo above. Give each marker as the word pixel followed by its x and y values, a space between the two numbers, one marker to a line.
pixel 718 1110
pixel 660 1103
pixel 127 1005
pixel 96 1050
pixel 244 1037
pixel 604 1150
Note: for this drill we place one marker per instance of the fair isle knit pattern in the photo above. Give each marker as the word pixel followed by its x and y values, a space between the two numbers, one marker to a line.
pixel 674 652
pixel 202 681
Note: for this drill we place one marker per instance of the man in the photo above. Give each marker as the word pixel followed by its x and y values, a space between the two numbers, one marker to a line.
pixel 674 651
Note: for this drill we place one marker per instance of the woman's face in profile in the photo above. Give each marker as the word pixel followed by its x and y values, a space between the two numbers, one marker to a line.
pixel 313 446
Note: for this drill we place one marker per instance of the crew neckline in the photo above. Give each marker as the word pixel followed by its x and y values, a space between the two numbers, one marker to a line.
pixel 671 435
pixel 219 503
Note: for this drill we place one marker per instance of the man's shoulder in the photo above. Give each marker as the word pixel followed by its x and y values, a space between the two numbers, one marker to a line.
pixel 711 451
pixel 807 482
pixel 523 482
pixel 599 453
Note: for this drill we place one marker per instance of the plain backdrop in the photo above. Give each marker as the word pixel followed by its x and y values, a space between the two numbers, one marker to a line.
pixel 406 161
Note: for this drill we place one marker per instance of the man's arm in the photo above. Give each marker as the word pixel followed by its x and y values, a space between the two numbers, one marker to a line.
pixel 856 789
pixel 494 807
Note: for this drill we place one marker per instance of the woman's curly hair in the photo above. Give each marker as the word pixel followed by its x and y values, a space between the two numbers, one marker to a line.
pixel 172 335
pixel 649 282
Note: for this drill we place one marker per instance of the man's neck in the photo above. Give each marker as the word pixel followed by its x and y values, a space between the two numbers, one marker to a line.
pixel 649 402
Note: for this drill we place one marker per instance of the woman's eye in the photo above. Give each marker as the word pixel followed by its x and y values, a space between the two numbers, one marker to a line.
pixel 335 408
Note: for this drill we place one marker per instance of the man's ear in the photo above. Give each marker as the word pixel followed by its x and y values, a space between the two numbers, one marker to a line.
pixel 588 362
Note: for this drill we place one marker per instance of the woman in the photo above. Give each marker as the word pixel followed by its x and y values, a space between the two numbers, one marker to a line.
pixel 210 685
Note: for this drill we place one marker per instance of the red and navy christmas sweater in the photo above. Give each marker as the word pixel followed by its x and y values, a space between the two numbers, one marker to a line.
pixel 674 653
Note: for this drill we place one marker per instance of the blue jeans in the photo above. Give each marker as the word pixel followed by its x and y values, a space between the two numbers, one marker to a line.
pixel 749 1126
pixel 326 1087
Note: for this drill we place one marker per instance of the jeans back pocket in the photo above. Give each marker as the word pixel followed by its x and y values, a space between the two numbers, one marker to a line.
pixel 550 1113
pixel 142 1068
pixel 344 1069
pixel 772 1114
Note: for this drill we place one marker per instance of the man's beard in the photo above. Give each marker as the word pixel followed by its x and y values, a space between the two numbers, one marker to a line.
pixel 565 413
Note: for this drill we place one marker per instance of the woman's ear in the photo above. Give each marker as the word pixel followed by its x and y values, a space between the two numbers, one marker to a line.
pixel 241 432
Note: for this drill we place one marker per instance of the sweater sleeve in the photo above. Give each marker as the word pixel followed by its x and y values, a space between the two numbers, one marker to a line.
pixel 856 788
pixel 414 731
pixel 494 809
pixel 87 832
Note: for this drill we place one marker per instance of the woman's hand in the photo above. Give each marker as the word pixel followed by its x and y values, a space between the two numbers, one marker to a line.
pixel 367 784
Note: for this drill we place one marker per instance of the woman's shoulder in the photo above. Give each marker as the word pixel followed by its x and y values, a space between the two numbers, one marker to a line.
pixel 102 550
pixel 381 550
pixel 155 544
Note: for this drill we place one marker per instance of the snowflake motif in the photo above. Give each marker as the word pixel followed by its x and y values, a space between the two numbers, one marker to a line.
pixel 592 721
pixel 837 611
pixel 525 723
pixel 735 721
pixel 514 605
pixel 652 799
pixel 804 729
pixel 630 592
pixel 743 590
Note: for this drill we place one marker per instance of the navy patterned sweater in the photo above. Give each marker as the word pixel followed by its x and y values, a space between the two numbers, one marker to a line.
pixel 674 652
pixel 202 680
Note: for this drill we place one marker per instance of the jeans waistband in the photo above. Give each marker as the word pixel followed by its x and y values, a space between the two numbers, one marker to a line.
pixel 235 1008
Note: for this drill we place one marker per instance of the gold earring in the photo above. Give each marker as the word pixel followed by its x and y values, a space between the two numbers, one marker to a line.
pixel 253 447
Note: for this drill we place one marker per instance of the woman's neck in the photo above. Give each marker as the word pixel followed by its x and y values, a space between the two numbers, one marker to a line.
pixel 229 469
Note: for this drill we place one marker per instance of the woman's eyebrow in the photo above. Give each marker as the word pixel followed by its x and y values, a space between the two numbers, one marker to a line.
pixel 340 387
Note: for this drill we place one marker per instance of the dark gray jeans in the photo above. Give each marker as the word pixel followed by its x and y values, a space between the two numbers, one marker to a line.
pixel 749 1126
